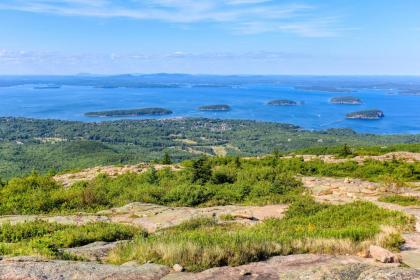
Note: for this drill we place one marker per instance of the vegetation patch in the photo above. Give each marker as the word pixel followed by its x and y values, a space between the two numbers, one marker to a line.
pixel 359 150
pixel 131 142
pixel 202 182
pixel 401 200
pixel 308 227
pixel 43 238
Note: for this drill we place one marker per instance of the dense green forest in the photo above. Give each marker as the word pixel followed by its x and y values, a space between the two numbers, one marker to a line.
pixel 54 145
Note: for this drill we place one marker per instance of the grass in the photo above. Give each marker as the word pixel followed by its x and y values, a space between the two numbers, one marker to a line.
pixel 401 200
pixel 308 227
pixel 45 239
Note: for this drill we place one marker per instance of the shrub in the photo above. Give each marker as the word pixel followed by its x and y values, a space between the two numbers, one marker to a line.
pixel 45 238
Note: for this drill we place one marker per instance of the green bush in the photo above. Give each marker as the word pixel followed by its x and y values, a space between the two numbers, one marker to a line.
pixel 45 238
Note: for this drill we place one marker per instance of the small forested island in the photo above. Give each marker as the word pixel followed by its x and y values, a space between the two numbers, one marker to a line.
pixel 130 112
pixel 283 102
pixel 366 115
pixel 348 100
pixel 219 107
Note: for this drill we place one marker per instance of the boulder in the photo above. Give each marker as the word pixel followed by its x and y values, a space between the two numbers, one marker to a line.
pixel 178 268
pixel 382 255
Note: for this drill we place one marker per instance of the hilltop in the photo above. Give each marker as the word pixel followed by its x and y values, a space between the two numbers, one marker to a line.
pixel 337 211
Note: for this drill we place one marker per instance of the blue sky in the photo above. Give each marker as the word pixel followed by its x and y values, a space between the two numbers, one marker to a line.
pixel 210 37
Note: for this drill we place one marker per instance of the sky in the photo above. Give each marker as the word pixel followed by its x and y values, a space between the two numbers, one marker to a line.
pixel 302 37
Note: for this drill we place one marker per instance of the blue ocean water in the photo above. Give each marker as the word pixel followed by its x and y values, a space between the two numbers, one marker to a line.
pixel 249 101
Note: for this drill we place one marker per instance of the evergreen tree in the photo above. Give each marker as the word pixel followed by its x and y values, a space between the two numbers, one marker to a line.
pixel 201 170
pixel 345 151
pixel 238 163
pixel 166 159
pixel 152 177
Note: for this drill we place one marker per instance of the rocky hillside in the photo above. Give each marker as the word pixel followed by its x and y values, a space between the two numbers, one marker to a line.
pixel 302 217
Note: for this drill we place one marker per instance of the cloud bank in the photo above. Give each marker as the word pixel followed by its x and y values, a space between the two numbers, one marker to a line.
pixel 240 16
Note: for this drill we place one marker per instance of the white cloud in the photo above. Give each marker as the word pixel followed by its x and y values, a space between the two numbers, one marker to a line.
pixel 32 62
pixel 24 57
pixel 245 16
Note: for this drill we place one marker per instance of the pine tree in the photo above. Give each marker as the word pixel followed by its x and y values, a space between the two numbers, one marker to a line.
pixel 166 159
pixel 201 170
pixel 345 151
pixel 152 176
pixel 238 163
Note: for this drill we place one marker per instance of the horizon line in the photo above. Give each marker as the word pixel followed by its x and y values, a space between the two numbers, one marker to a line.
pixel 204 74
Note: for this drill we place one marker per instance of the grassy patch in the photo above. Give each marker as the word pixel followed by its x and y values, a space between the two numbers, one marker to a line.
pixel 43 238
pixel 401 200
pixel 308 227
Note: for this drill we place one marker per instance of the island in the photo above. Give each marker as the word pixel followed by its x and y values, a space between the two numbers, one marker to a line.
pixel 130 112
pixel 347 100
pixel 283 102
pixel 47 87
pixel 219 107
pixel 366 115
pixel 410 92
pixel 323 88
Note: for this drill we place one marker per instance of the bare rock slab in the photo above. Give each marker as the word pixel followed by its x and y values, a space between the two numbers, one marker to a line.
pixel 96 251
pixel 294 267
pixel 63 270
pixel 305 267
pixel 153 217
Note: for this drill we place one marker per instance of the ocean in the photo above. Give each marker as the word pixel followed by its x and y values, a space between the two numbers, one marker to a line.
pixel 247 100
